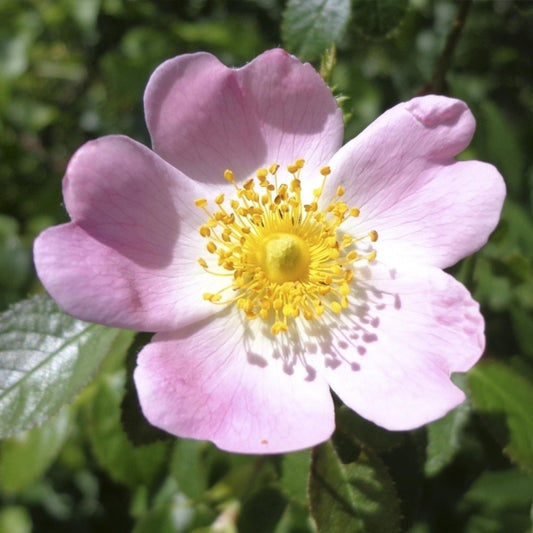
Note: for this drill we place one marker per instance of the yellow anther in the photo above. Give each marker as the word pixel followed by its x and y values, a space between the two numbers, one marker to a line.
pixel 278 327
pixel 219 199
pixel 354 212
pixel 262 173
pixel 205 231
pixel 325 171
pixel 228 174
pixel 371 256
pixel 211 247
pixel 373 235
pixel 335 307
pixel 211 297
pixel 344 289
pixel 292 169
pixel 202 262
pixel 299 163
pixel 340 191
pixel 273 168
pixel 200 202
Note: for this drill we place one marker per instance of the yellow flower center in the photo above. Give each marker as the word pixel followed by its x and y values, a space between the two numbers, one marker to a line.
pixel 283 258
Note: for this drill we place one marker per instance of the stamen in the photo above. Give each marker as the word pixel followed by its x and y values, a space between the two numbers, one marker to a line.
pixel 283 259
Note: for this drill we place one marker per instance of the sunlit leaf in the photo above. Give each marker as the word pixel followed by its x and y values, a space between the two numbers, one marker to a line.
pixel 498 391
pixel 311 26
pixel 358 497
pixel 46 357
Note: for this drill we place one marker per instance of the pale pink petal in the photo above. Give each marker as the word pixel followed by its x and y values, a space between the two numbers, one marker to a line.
pixel 129 258
pixel 392 356
pixel 401 173
pixel 204 117
pixel 220 382
pixel 449 218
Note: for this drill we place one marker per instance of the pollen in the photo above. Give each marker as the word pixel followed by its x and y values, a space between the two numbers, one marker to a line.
pixel 284 260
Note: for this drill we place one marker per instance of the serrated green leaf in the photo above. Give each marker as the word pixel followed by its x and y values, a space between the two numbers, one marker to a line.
pixel 46 358
pixel 500 392
pixel 358 497
pixel 377 18
pixel 125 463
pixel 444 439
pixel 310 27
pixel 25 457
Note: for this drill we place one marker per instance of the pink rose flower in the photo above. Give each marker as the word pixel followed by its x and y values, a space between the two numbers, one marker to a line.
pixel 272 263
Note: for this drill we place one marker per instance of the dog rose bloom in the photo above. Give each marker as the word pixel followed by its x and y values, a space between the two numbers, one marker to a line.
pixel 272 263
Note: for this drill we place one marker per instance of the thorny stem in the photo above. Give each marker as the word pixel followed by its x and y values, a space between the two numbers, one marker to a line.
pixel 437 85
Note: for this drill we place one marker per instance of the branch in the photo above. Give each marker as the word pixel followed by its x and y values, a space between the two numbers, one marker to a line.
pixel 437 85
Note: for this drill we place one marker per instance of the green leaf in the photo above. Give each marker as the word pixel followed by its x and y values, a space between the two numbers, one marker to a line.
pixel 507 397
pixel 15 519
pixel 295 475
pixel 125 463
pixel 499 501
pixel 24 458
pixel 444 439
pixel 188 469
pixel 46 358
pixel 134 423
pixel 361 432
pixel 501 142
pixel 502 489
pixel 358 497
pixel 310 27
pixel 377 18
pixel 175 517
pixel 262 511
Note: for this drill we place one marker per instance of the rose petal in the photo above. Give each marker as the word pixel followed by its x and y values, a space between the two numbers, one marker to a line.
pixel 219 382
pixel 130 257
pixel 401 173
pixel 93 282
pixel 204 117
pixel 396 351
pixel 449 218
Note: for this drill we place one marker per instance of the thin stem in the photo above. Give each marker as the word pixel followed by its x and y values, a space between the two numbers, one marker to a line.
pixel 437 85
